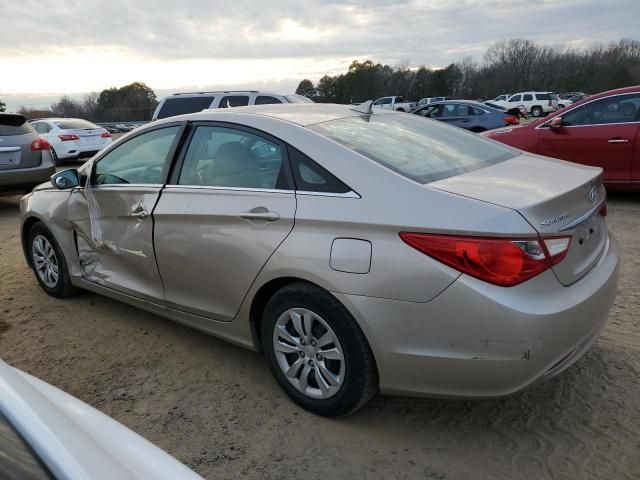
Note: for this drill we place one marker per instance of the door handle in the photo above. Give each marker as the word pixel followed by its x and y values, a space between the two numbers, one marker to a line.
pixel 618 140
pixel 139 212
pixel 260 213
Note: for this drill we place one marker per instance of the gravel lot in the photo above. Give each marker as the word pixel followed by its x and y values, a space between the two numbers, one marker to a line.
pixel 216 408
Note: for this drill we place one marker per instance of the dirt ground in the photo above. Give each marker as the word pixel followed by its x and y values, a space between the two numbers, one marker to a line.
pixel 216 407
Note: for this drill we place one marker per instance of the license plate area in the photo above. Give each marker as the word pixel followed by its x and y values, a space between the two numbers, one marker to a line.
pixel 10 159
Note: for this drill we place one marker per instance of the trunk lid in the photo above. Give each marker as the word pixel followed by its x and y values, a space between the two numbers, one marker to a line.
pixel 16 136
pixel 88 136
pixel 557 198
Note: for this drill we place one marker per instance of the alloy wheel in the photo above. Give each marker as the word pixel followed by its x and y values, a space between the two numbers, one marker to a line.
pixel 45 261
pixel 309 353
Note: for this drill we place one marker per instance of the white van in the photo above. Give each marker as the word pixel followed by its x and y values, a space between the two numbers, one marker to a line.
pixel 181 103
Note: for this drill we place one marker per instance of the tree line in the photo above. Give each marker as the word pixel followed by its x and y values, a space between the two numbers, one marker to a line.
pixel 133 102
pixel 508 66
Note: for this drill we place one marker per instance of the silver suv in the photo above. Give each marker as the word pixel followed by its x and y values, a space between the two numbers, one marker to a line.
pixel 25 158
pixel 182 103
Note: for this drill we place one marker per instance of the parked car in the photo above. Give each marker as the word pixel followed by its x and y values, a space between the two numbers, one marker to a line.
pixel 182 103
pixel 568 95
pixel 426 101
pixel 536 103
pixel 501 98
pixel 577 98
pixel 601 131
pixel 394 103
pixel 564 102
pixel 358 251
pixel 72 138
pixel 46 433
pixel 25 158
pixel 467 114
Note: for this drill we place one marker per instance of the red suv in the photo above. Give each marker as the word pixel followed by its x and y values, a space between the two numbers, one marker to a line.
pixel 602 131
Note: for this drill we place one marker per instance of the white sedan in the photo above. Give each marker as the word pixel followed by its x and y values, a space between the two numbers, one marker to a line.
pixel 72 138
pixel 46 433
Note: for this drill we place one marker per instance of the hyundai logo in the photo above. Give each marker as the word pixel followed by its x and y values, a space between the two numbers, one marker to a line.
pixel 592 195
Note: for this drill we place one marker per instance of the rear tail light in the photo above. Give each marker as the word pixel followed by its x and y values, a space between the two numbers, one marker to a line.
pixel 511 120
pixel 40 144
pixel 67 138
pixel 105 135
pixel 503 262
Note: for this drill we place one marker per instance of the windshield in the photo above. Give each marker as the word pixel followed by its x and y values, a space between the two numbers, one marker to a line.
pixel 75 124
pixel 420 149
pixel 295 98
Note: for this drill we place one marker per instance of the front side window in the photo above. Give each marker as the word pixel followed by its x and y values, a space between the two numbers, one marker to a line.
pixel 234 101
pixel 418 150
pixel 228 157
pixel 616 109
pixel 141 160
pixel 527 97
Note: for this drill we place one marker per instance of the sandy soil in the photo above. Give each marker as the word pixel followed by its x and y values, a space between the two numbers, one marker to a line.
pixel 215 406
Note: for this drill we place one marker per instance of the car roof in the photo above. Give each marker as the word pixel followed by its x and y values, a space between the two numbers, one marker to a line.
pixel 302 114
pixel 217 92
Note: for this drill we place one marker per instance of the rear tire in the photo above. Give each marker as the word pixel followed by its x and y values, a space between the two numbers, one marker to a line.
pixel 536 111
pixel 48 262
pixel 56 161
pixel 330 369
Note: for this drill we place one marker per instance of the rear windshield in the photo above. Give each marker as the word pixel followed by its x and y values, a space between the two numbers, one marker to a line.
pixel 75 124
pixel 295 98
pixel 421 149
pixel 14 125
pixel 182 105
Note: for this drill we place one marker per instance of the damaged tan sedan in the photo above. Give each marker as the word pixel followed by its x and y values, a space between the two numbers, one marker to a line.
pixel 358 251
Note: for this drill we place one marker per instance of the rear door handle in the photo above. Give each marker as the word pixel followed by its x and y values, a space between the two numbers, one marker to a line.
pixel 260 213
pixel 139 212
pixel 618 140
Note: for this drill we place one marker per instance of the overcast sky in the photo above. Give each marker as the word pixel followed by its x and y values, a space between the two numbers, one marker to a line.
pixel 88 45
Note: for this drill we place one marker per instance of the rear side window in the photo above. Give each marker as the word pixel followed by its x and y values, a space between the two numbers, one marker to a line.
pixel 234 101
pixel 182 105
pixel 311 177
pixel 75 124
pixel 266 100
pixel 515 98
pixel 14 125
pixel 527 97
pixel 543 96
pixel 418 150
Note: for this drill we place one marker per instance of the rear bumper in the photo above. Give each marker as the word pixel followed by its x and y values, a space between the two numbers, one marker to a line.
pixel 23 180
pixel 67 150
pixel 478 340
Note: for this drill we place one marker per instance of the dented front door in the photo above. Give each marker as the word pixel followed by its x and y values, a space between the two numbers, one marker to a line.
pixel 112 216
pixel 115 249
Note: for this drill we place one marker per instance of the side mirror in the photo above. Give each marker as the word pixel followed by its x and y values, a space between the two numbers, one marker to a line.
pixel 556 122
pixel 66 179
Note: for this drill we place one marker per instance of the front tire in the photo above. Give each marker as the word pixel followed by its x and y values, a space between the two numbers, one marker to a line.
pixel 317 352
pixel 48 262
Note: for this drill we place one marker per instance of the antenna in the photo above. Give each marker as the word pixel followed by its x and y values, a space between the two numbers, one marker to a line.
pixel 365 107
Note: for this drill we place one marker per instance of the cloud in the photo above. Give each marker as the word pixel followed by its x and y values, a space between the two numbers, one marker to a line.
pixel 297 38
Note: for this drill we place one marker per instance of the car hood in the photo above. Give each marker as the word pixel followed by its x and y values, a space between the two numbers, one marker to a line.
pixel 74 440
